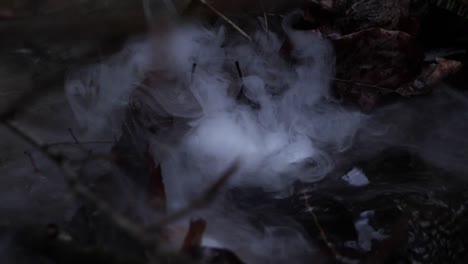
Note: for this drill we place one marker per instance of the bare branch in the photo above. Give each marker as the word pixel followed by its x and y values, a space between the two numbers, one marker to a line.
pixel 80 190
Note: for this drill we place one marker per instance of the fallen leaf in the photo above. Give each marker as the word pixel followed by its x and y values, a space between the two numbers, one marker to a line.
pixel 374 62
pixel 429 76
pixel 194 236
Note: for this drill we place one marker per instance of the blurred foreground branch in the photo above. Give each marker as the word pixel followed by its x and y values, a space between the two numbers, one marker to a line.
pixel 147 236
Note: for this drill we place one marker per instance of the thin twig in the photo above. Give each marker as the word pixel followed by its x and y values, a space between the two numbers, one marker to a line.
pixel 266 22
pixel 365 85
pixel 241 78
pixel 80 190
pixel 239 71
pixel 241 95
pixel 65 143
pixel 73 136
pixel 323 235
pixel 33 162
pixel 192 74
pixel 212 8
pixel 78 143
pixel 265 18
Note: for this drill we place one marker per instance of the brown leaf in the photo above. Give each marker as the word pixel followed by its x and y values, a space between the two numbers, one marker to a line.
pixel 157 191
pixel 194 236
pixel 374 62
pixel 429 76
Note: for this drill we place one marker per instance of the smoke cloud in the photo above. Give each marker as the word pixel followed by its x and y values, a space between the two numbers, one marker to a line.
pixel 229 100
pixel 207 98
pixel 191 75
